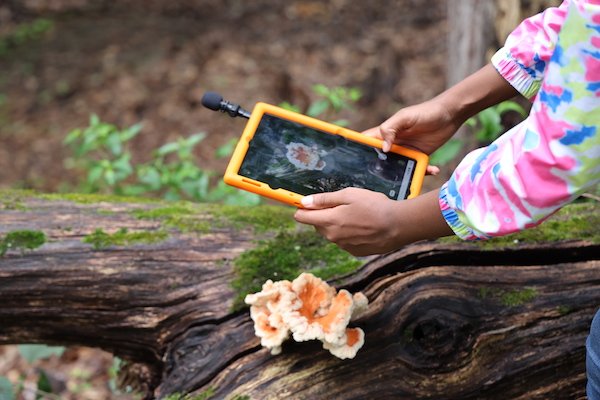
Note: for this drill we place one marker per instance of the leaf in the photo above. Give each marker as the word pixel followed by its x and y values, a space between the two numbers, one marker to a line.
pixel 172 195
pixel 167 148
pixel 72 136
pixel 151 177
pixel 287 106
pixel 109 177
pixel 354 94
pixel 447 152
pixel 317 108
pixel 43 384
pixel 122 166
pixel 34 352
pixel 508 105
pixel 6 389
pixel 195 139
pixel 94 173
pixel 129 133
pixel 114 144
pixel 491 124
pixel 243 198
pixel 342 122
pixel 227 149
pixel 94 120
pixel 321 90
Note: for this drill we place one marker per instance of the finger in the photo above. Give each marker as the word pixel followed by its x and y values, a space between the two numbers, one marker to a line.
pixel 376 133
pixel 373 132
pixel 324 200
pixel 388 135
pixel 432 170
pixel 310 217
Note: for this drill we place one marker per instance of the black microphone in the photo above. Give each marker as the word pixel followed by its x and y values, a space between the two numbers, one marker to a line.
pixel 214 101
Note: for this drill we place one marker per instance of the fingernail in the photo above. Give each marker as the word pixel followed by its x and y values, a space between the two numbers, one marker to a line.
pixel 307 201
pixel 386 147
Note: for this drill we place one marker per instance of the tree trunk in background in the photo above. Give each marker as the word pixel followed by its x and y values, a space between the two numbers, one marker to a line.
pixel 470 36
pixel 477 28
pixel 445 321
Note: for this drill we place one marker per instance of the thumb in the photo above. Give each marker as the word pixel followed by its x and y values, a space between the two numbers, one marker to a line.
pixel 323 200
pixel 387 135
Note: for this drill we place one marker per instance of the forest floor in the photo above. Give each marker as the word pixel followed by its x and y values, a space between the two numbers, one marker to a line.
pixel 149 61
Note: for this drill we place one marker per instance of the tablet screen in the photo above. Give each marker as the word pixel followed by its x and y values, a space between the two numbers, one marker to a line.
pixel 289 155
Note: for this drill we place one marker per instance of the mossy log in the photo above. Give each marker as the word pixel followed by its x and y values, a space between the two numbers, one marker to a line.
pixel 446 320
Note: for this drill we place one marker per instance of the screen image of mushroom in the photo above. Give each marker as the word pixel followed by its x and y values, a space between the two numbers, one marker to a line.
pixel 307 309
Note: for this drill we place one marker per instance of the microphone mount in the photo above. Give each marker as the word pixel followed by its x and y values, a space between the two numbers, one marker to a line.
pixel 215 102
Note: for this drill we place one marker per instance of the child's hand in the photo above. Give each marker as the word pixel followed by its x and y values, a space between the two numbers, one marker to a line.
pixel 424 127
pixel 363 222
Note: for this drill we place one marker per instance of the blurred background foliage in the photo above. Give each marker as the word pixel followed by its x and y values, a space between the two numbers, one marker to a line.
pixel 149 62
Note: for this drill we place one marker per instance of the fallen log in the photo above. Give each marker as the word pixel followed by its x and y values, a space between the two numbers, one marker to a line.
pixel 151 282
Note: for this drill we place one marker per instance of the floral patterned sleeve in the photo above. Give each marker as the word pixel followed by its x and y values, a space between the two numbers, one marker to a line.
pixel 527 50
pixel 549 159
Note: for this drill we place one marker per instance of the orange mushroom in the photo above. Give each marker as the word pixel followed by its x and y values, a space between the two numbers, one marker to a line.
pixel 264 311
pixel 309 309
pixel 354 340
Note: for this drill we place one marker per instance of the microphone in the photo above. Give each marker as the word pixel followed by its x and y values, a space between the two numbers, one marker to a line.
pixel 214 101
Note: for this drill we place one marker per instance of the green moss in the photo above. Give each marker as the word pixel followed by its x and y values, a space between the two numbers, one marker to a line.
pixel 262 218
pixel 407 336
pixel 98 198
pixel 22 240
pixel 181 215
pixel 517 298
pixel 286 256
pixel 512 298
pixel 564 310
pixel 207 394
pixel 102 239
pixel 13 199
pixel 575 221
pixel 186 217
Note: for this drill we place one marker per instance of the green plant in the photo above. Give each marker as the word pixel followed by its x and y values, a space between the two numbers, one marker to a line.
pixel 177 178
pixel 333 101
pixel 487 127
pixel 101 152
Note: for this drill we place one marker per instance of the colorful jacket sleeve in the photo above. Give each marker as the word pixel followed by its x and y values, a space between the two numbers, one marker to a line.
pixel 549 159
pixel 527 50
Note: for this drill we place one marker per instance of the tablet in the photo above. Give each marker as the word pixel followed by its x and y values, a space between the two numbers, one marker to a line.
pixel 285 156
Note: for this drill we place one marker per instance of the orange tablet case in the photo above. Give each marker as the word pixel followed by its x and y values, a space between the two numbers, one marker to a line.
pixel 232 175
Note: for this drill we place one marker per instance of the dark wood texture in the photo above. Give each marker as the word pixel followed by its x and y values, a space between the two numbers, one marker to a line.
pixel 441 322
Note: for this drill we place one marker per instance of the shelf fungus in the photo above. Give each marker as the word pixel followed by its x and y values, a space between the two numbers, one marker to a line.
pixel 307 309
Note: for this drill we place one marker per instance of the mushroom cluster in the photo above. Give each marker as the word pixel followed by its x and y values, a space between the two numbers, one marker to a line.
pixel 307 309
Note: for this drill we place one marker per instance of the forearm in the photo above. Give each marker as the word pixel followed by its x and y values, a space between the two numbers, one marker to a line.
pixel 420 218
pixel 475 93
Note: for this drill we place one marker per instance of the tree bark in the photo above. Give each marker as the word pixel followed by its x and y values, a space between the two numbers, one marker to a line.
pixel 445 320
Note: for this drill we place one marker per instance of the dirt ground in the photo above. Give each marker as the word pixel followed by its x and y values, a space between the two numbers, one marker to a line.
pixel 151 61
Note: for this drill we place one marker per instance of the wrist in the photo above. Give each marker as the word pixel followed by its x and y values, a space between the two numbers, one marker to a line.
pixel 420 218
pixel 475 93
